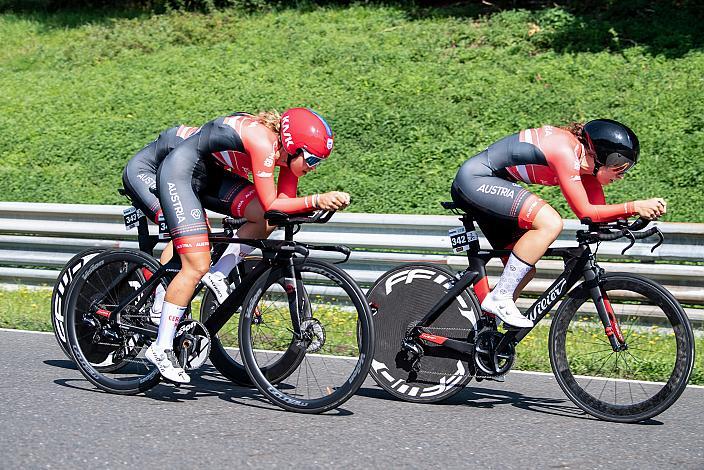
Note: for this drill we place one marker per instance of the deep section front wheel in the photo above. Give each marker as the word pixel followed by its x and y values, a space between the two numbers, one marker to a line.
pixel 400 298
pixel 225 352
pixel 647 374
pixel 109 349
pixel 330 358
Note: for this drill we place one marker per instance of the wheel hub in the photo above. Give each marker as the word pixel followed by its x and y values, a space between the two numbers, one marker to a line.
pixel 314 334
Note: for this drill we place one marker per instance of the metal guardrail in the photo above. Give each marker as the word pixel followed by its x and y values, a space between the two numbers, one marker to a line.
pixel 37 239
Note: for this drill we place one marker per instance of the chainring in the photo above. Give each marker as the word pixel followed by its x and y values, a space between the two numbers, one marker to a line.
pixel 490 362
pixel 192 344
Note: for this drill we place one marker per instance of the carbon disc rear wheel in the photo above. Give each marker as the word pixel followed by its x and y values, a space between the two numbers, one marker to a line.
pixel 400 299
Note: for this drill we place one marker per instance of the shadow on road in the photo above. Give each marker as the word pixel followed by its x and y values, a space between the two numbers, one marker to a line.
pixel 205 382
pixel 61 363
pixel 489 398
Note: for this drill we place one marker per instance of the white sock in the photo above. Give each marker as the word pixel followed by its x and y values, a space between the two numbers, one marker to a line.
pixel 159 294
pixel 514 272
pixel 234 253
pixel 170 316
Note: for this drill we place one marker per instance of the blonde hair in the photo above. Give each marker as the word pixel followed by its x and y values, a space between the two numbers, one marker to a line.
pixel 270 119
pixel 577 129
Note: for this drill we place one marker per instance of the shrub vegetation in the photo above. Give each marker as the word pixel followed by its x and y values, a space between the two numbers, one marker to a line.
pixel 411 91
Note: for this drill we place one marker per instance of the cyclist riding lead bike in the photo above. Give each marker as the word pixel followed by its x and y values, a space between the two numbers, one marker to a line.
pixel 580 158
pixel 296 142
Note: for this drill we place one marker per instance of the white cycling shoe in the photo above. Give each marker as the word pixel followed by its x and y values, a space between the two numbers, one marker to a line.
pixel 166 362
pixel 218 284
pixel 506 310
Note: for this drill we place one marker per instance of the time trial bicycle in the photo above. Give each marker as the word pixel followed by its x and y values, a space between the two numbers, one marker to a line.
pixel 305 332
pixel 229 364
pixel 621 346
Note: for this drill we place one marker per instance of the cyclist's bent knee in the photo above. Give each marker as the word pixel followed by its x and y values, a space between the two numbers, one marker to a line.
pixel 548 222
pixel 195 265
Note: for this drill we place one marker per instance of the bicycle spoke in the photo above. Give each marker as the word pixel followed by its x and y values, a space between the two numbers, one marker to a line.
pixel 596 374
pixel 612 370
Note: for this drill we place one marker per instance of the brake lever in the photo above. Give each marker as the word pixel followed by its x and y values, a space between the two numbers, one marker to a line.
pixel 628 234
pixel 345 251
pixel 660 241
pixel 342 249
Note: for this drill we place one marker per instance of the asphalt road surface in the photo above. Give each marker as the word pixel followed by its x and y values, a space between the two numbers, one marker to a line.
pixel 51 417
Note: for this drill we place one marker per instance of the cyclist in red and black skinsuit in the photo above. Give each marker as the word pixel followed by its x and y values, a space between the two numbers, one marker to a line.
pixel 581 159
pixel 243 144
pixel 139 176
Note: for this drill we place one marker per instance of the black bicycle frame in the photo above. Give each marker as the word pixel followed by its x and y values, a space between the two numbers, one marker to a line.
pixel 579 264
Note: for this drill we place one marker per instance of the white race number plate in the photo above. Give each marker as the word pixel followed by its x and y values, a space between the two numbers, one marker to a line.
pixel 132 216
pixel 460 239
pixel 163 228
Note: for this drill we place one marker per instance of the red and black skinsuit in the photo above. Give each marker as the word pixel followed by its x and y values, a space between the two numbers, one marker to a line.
pixel 486 184
pixel 241 146
pixel 139 176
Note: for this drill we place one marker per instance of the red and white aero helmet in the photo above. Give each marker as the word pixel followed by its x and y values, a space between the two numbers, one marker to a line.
pixel 303 129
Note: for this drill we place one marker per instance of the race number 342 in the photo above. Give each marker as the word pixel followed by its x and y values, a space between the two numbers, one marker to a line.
pixel 460 239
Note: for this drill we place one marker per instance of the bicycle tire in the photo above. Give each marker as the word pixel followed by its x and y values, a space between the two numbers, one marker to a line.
pixel 90 286
pixel 641 296
pixel 60 292
pixel 401 297
pixel 345 317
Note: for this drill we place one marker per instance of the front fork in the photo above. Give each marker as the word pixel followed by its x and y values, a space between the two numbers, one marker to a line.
pixel 592 276
pixel 296 297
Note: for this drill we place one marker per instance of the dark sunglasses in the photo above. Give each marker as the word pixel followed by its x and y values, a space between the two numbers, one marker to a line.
pixel 619 163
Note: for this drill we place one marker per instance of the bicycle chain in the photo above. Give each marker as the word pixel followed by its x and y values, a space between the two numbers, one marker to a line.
pixel 447 329
pixel 484 377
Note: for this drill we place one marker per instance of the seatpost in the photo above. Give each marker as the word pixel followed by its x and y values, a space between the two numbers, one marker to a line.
pixel 288 233
pixel 468 223
pixel 145 244
pixel 474 262
pixel 294 292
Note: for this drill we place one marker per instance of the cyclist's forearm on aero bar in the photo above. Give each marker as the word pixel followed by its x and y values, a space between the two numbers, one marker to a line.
pixel 578 200
pixel 269 196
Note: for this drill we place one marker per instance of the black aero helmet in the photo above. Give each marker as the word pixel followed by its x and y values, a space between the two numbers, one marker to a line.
pixel 614 143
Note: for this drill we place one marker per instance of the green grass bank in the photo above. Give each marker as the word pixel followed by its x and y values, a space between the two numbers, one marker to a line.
pixel 25 309
pixel 410 93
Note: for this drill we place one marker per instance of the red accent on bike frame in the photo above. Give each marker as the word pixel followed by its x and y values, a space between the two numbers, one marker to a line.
pixel 612 318
pixel 147 274
pixel 433 338
pixel 103 313
pixel 481 288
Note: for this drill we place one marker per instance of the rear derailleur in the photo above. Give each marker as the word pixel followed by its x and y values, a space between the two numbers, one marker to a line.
pixel 411 350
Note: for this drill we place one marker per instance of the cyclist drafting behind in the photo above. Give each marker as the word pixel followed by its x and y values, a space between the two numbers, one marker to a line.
pixel 139 179
pixel 580 158
pixel 243 144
